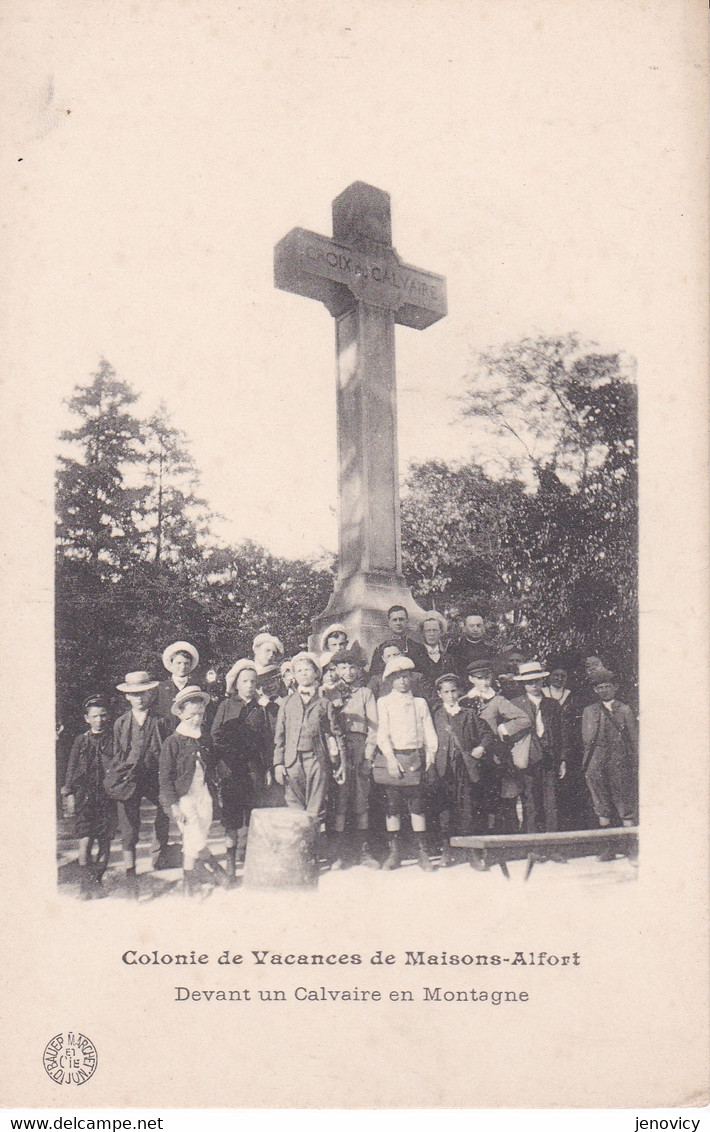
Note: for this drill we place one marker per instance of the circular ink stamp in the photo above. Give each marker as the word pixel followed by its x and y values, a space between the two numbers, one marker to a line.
pixel 70 1058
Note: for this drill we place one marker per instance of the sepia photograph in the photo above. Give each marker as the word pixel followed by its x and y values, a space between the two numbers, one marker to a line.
pixel 355 440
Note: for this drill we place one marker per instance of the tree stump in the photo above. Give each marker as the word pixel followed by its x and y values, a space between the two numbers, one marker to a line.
pixel 281 850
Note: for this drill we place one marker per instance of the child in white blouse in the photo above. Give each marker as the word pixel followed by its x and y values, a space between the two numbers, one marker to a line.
pixel 407 743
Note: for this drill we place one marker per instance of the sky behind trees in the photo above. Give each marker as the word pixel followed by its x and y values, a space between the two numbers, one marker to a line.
pixel 524 183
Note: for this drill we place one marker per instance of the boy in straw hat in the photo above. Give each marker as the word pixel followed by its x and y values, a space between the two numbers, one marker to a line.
pixel 187 787
pixel 309 747
pixel 133 773
pixel 180 659
pixel 407 747
pixel 546 758
pixel 93 810
pixel 243 744
pixel 358 716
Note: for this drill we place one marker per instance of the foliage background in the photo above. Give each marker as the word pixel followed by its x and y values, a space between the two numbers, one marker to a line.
pixel 540 528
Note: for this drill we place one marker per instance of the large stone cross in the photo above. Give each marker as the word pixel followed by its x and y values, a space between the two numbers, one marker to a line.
pixel 367 289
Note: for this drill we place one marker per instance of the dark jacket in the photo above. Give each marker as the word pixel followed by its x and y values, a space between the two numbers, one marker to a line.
pixel 243 736
pixel 458 735
pixel 165 695
pixel 124 775
pixel 410 648
pixel 611 735
pixel 315 723
pixel 178 759
pixel 551 749
pixel 464 651
pixel 90 757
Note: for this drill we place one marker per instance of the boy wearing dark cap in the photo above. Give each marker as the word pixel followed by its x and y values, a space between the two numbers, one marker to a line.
pixel 94 812
pixel 610 753
pixel 507 724
pixel 462 765
pixel 358 718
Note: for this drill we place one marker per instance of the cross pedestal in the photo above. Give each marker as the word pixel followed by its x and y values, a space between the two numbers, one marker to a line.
pixel 367 288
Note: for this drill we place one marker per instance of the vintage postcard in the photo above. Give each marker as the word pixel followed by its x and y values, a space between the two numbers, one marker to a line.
pixel 355 554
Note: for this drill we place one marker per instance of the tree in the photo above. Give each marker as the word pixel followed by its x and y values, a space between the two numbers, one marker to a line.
pixel 554 402
pixel 96 510
pixel 454 524
pixel 550 541
pixel 256 591
pixel 175 522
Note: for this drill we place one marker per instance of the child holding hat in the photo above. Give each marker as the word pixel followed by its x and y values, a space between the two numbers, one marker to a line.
pixel 180 659
pixel 407 747
pixel 187 786
pixel 94 812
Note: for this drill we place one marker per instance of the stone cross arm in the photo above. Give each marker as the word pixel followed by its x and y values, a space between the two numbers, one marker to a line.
pixel 337 273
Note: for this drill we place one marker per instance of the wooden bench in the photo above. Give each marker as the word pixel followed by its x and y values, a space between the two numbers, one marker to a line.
pixel 499 848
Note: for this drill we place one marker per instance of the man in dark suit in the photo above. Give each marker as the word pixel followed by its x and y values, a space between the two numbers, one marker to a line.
pixel 472 646
pixel 398 622
pixel 548 751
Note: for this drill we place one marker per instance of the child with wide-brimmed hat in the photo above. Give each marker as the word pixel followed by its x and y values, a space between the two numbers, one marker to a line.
pixel 243 741
pixel 407 744
pixel 132 775
pixel 180 659
pixel 187 787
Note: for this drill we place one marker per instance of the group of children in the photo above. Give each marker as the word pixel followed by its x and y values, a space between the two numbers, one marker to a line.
pixel 318 732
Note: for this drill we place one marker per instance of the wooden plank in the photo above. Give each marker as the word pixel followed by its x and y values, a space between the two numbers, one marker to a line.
pixel 538 840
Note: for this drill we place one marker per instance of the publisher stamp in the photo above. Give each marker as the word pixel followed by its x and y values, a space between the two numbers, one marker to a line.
pixel 70 1058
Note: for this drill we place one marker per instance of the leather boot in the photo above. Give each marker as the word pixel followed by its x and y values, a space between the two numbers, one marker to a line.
pixel 336 851
pixel 217 874
pixel 423 858
pixel 85 882
pixel 190 883
pixel 394 858
pixel 132 888
pixel 230 861
pixel 363 856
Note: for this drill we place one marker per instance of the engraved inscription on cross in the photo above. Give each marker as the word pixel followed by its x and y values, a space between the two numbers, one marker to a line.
pixel 367 288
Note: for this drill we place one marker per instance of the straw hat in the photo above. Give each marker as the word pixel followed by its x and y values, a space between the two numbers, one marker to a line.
pixel 181 646
pixel 231 677
pixel 192 692
pixel 263 638
pixel 530 670
pixel 137 682
pixel 398 664
pixel 307 656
